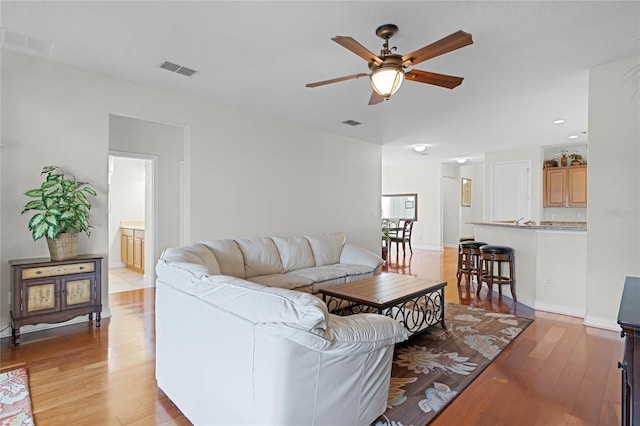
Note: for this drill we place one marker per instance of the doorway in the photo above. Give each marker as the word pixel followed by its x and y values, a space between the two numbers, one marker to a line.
pixel 131 213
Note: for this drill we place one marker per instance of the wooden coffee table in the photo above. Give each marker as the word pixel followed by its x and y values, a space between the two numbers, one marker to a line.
pixel 415 302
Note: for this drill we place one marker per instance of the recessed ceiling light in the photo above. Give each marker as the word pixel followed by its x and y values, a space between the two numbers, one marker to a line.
pixel 573 137
pixel 559 121
pixel 461 160
pixel 419 148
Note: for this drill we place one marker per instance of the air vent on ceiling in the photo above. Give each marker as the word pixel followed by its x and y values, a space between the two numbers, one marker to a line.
pixel 352 122
pixel 178 69
pixel 14 40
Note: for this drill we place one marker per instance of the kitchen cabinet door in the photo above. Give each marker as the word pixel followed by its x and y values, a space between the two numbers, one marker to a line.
pixel 555 187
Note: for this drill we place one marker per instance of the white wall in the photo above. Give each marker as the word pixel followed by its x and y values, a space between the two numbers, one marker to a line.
pixel 425 180
pixel 613 244
pixel 127 195
pixel 250 175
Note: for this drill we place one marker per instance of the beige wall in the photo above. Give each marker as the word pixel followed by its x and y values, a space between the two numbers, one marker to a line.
pixel 249 175
pixel 613 244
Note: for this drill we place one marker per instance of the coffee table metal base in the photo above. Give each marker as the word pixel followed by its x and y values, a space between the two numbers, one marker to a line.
pixel 416 312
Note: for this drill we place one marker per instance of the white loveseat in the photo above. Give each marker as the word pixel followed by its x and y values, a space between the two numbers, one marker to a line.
pixel 234 352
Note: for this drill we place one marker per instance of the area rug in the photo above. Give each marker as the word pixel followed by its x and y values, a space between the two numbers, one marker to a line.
pixel 15 402
pixel 431 369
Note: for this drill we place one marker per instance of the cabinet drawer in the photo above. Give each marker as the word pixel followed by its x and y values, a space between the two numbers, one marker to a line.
pixel 53 271
pixel 138 233
pixel 127 232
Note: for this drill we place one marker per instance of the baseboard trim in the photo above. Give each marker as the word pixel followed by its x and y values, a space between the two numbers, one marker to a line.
pixel 601 322
pixel 438 248
pixel 560 309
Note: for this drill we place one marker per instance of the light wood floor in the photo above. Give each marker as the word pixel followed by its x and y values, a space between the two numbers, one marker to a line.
pixel 125 279
pixel 557 372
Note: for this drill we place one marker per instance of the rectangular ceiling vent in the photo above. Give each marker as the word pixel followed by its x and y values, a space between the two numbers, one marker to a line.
pixel 178 69
pixel 352 123
pixel 22 42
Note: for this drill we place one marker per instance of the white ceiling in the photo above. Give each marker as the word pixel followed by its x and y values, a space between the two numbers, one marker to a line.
pixel 528 64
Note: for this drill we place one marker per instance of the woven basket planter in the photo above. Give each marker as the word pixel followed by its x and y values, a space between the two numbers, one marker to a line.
pixel 63 247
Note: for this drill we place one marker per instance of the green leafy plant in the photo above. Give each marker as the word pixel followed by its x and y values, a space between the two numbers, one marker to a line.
pixel 62 204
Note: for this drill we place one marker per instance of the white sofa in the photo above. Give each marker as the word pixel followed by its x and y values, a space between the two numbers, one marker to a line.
pixel 234 352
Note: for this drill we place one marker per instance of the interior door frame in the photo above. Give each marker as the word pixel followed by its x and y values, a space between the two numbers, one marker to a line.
pixel 150 228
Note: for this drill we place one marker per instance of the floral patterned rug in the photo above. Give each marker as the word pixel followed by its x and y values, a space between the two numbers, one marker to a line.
pixel 15 402
pixel 431 369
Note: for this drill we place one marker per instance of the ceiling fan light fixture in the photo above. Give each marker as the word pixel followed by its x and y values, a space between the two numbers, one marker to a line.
pixel 387 80
pixel 419 148
pixel 461 160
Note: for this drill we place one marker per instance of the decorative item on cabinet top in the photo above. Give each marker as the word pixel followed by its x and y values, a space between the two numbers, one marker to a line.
pixel 63 211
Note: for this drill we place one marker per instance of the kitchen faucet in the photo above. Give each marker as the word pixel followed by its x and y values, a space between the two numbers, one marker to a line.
pixel 518 221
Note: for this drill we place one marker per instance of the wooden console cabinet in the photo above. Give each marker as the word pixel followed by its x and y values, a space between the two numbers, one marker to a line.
pixel 132 248
pixel 629 320
pixel 565 186
pixel 51 292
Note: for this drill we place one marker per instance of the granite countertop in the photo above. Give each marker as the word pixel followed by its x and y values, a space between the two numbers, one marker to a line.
pixel 544 225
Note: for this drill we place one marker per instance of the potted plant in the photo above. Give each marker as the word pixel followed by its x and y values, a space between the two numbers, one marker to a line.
pixel 63 211
pixel 386 230
pixel 576 159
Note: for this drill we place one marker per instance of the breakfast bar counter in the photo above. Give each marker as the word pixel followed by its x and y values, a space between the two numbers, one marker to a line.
pixel 550 262
pixel 544 225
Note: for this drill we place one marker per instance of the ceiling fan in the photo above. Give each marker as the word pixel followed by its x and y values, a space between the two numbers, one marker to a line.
pixel 387 69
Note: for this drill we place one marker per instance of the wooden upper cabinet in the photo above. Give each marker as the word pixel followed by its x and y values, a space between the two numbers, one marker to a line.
pixel 577 177
pixel 565 186
pixel 555 187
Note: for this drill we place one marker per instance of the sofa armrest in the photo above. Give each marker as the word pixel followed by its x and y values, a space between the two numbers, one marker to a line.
pixel 350 335
pixel 365 330
pixel 354 255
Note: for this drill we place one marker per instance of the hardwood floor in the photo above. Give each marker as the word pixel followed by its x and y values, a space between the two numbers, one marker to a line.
pixel 557 372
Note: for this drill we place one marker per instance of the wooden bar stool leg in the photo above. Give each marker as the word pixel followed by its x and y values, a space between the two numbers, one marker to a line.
pixel 500 278
pixel 513 278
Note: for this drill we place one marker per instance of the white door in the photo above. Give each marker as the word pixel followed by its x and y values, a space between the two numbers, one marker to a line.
pixel 511 191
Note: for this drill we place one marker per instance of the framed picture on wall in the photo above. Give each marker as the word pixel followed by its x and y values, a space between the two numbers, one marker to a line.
pixel 466 192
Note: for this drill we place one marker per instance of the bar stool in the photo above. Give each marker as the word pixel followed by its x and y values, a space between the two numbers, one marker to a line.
pixel 469 259
pixel 461 240
pixel 490 256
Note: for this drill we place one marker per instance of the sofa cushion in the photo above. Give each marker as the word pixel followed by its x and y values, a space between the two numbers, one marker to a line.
pixel 295 253
pixel 193 253
pixel 320 273
pixel 261 256
pixel 228 255
pixel 288 281
pixel 353 269
pixel 260 304
pixel 327 248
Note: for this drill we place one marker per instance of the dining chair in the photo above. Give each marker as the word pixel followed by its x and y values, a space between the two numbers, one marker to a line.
pixel 403 236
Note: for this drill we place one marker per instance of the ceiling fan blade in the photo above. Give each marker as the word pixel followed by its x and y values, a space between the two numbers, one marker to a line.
pixel 442 80
pixel 447 44
pixel 335 80
pixel 376 98
pixel 351 44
